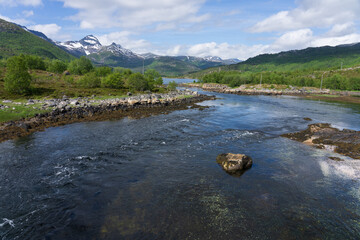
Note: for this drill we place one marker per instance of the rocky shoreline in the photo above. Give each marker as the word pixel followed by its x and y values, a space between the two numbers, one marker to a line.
pixel 65 110
pixel 256 90
pixel 323 136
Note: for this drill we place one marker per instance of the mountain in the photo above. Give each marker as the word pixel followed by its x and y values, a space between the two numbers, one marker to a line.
pixel 14 40
pixel 88 45
pixel 309 59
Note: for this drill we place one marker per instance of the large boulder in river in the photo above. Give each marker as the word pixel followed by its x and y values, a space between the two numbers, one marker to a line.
pixel 233 163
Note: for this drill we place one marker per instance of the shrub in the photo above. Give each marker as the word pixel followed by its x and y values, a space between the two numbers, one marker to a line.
pixel 34 62
pixel 124 71
pixel 57 66
pixel 137 82
pixel 114 80
pixel 80 66
pixel 17 78
pixel 89 80
pixel 153 77
pixel 103 71
pixel 69 80
pixel 172 86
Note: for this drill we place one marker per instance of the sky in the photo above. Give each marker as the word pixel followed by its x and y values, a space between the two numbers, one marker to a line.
pixel 225 28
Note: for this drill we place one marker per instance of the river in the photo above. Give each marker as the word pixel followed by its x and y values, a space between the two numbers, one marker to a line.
pixel 157 177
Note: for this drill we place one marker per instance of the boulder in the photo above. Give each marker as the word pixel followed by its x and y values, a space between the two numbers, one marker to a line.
pixel 233 163
pixel 66 73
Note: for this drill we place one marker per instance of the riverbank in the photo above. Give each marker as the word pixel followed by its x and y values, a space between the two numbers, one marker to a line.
pixel 56 112
pixel 278 90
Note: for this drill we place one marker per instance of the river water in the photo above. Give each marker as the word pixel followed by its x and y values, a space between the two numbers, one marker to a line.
pixel 157 177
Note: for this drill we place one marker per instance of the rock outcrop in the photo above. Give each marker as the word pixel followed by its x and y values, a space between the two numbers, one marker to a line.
pixel 234 163
pixel 322 135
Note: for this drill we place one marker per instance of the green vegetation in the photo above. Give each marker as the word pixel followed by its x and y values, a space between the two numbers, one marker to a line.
pixel 341 80
pixel 14 41
pixel 16 112
pixel 17 79
pixel 113 80
pixel 80 66
pixel 30 76
pixel 172 86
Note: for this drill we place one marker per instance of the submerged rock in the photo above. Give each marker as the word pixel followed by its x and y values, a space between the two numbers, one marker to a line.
pixel 234 163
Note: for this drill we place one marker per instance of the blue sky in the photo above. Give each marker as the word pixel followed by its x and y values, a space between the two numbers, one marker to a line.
pixel 225 28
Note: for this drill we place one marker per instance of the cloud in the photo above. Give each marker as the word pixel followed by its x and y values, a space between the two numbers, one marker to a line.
pixel 20 21
pixel 124 38
pixel 50 30
pixel 14 3
pixel 28 13
pixel 135 13
pixel 293 40
pixel 311 13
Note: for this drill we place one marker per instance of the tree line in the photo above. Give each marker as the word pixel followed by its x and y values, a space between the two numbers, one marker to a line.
pixel 18 80
pixel 347 80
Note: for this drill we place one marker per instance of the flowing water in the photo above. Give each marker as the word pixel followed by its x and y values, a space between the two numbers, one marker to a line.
pixel 157 178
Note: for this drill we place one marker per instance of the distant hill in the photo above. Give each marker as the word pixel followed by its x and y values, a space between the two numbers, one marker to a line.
pixel 309 59
pixel 14 40
pixel 115 55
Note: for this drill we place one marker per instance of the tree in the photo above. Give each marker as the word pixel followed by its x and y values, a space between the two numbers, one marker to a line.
pixel 89 80
pixel 17 78
pixel 34 62
pixel 137 82
pixel 114 80
pixel 80 66
pixel 57 66
pixel 103 71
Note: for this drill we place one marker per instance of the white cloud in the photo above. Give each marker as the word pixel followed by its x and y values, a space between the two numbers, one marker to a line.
pixel 50 30
pixel 124 39
pixel 342 29
pixel 136 13
pixel 20 21
pixel 311 13
pixel 28 13
pixel 14 3
pixel 293 40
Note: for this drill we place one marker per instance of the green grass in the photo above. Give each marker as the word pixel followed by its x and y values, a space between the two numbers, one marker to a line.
pixel 17 112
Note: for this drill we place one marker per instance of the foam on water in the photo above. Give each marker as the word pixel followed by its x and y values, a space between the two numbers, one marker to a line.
pixel 7 222
pixel 348 169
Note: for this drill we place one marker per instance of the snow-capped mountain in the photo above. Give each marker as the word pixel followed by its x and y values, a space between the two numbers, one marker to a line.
pixel 118 50
pixel 86 46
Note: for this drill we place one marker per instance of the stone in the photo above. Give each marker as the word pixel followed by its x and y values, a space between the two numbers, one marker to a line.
pixel 129 94
pixel 233 163
pixel 66 73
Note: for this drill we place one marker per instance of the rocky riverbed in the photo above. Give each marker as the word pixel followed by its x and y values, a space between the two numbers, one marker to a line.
pixel 322 135
pixel 66 110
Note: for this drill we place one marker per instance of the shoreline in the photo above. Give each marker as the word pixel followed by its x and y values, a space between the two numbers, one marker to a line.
pixel 308 93
pixel 110 109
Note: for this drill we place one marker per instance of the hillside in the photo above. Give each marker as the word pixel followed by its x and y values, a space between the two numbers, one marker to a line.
pixel 14 40
pixel 310 59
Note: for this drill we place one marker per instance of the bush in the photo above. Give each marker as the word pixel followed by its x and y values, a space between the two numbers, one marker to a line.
pixel 103 71
pixel 153 77
pixel 56 66
pixel 137 82
pixel 80 66
pixel 124 71
pixel 69 80
pixel 89 80
pixel 172 86
pixel 114 80
pixel 17 78
pixel 34 62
